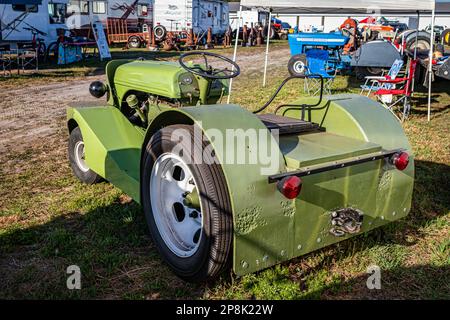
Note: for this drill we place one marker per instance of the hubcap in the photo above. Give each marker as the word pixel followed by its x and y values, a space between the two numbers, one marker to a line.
pixel 80 157
pixel 179 224
pixel 299 67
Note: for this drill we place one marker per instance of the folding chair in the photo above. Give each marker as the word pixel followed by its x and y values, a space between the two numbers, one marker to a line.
pixel 393 96
pixel 373 82
pixel 28 55
pixel 6 59
pixel 317 60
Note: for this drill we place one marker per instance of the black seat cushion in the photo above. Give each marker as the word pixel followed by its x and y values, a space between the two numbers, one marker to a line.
pixel 287 125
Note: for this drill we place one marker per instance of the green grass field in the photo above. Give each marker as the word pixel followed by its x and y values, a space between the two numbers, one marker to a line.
pixel 48 221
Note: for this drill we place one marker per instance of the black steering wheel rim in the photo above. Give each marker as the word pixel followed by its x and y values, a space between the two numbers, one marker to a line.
pixel 235 71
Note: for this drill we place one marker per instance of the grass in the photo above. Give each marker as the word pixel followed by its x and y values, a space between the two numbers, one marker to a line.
pixel 48 221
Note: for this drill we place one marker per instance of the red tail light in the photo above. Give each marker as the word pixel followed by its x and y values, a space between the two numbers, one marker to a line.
pixel 290 187
pixel 400 160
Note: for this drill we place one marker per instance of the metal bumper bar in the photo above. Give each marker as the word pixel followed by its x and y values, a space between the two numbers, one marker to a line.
pixel 335 165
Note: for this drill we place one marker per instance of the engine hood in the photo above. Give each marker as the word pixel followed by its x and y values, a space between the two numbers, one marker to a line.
pixel 156 77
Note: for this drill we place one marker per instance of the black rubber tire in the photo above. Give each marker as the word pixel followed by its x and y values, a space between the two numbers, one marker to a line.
pixel 134 42
pixel 215 246
pixel 298 58
pixel 52 52
pixel 362 72
pixel 420 40
pixel 160 33
pixel 272 33
pixel 446 37
pixel 89 177
pixel 373 36
pixel 284 36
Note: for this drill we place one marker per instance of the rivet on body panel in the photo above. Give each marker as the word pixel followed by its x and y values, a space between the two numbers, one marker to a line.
pixel 319 240
pixel 299 247
pixel 283 252
pixel 394 213
pixel 244 264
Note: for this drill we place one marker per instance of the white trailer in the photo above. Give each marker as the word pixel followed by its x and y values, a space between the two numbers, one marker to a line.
pixel 81 13
pixel 250 17
pixel 182 15
pixel 16 20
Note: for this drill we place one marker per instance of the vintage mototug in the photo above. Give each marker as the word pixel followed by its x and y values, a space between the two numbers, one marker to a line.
pixel 343 164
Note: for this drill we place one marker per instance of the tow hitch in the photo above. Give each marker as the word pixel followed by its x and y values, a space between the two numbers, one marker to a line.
pixel 346 221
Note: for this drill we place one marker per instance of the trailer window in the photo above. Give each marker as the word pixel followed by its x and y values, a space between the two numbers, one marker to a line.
pixel 57 13
pixel 81 7
pixel 25 7
pixel 142 9
pixel 99 7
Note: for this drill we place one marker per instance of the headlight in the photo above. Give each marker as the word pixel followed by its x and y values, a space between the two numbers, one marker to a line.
pixel 186 79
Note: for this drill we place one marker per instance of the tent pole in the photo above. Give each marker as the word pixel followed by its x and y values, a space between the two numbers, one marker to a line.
pixel 430 66
pixel 417 35
pixel 235 51
pixel 267 47
pixel 415 46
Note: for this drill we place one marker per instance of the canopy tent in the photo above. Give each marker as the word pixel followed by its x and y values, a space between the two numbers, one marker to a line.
pixel 20 1
pixel 345 6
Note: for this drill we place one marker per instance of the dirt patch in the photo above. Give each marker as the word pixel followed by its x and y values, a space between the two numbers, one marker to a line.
pixel 33 112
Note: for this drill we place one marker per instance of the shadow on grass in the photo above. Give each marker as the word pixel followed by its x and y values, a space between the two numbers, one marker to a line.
pixel 112 247
pixel 417 282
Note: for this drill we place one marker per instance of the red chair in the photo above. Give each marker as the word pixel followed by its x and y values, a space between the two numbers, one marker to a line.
pixel 396 94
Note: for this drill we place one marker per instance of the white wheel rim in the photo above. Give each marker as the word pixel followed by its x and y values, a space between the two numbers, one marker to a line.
pixel 180 226
pixel 299 67
pixel 80 156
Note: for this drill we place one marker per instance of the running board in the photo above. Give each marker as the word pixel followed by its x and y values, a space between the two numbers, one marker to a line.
pixel 335 165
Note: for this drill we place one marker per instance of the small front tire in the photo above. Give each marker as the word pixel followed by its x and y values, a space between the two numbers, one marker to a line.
pixel 76 159
pixel 297 65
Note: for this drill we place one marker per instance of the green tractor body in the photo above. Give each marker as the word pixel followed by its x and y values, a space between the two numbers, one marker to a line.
pixel 342 157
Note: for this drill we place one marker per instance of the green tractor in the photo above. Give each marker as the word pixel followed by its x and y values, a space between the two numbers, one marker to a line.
pixel 220 184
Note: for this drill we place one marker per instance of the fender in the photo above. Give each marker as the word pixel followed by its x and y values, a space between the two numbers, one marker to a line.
pixel 261 215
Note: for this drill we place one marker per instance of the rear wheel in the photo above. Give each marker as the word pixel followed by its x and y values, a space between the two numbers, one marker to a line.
pixel 446 37
pixel 186 204
pixel 134 42
pixel 362 72
pixel 160 32
pixel 297 65
pixel 423 43
pixel 77 159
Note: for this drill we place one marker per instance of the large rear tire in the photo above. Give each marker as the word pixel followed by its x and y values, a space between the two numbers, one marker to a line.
pixel 195 241
pixel 446 37
pixel 76 159
pixel 363 72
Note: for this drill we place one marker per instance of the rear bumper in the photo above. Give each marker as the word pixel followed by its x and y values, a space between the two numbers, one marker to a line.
pixel 334 165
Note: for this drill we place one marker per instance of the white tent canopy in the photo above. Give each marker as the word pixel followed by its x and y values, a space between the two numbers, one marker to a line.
pixel 371 5
pixel 349 7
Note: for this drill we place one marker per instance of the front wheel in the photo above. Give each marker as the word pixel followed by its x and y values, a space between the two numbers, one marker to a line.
pixel 77 160
pixel 186 203
pixel 297 65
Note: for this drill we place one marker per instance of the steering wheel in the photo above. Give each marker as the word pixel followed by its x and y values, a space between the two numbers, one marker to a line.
pixel 208 71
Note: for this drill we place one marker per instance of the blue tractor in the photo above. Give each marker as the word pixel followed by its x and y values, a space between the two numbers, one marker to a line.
pixel 333 43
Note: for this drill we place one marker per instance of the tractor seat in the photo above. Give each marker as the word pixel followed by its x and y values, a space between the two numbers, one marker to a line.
pixel 287 125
